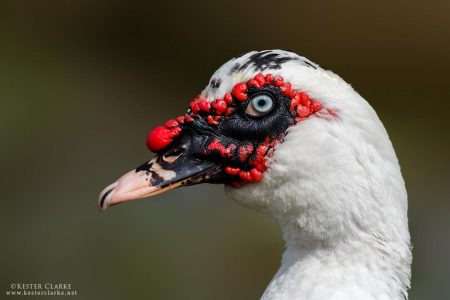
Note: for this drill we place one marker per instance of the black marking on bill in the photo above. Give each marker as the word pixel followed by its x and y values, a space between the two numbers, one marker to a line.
pixel 144 167
pixel 151 175
pixel 102 201
pixel 155 179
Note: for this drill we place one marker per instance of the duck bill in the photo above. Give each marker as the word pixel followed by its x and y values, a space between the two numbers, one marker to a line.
pixel 157 176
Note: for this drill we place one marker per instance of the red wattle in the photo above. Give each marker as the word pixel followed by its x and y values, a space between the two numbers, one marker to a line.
pixel 253 82
pixel 239 91
pixel 260 79
pixel 161 137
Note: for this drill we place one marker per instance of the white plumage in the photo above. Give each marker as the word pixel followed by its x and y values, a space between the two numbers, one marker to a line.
pixel 335 187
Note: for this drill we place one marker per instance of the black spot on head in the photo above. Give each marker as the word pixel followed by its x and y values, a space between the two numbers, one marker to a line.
pixel 234 68
pixel 264 60
pixel 215 83
pixel 308 64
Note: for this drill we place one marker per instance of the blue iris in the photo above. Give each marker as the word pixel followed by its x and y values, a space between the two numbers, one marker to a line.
pixel 262 103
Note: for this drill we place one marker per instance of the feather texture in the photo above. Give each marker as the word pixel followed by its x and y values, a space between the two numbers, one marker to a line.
pixel 335 187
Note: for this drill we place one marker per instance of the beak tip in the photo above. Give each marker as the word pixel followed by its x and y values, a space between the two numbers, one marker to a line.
pixel 101 208
pixel 152 179
pixel 102 203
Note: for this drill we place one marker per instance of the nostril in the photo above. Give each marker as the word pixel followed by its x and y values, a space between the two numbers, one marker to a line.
pixel 171 155
pixel 174 152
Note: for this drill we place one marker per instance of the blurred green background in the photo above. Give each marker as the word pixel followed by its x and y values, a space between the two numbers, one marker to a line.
pixel 82 83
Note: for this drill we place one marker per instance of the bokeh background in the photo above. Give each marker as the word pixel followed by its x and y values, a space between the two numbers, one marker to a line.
pixel 83 82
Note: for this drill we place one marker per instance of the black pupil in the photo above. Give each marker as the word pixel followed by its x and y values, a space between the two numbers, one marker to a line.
pixel 261 102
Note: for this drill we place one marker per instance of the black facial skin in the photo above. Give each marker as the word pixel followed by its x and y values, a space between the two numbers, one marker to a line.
pixel 238 129
pixel 243 127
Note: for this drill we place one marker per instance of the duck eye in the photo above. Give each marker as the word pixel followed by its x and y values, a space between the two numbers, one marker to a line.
pixel 259 105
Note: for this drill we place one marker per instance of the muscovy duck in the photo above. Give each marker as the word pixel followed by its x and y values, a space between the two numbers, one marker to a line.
pixel 295 141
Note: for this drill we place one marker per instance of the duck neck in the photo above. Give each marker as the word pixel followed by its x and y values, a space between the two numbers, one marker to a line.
pixel 347 269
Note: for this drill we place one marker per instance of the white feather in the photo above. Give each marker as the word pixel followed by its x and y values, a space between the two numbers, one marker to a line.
pixel 335 187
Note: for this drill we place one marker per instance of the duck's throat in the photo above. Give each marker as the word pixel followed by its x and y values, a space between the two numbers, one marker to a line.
pixel 346 270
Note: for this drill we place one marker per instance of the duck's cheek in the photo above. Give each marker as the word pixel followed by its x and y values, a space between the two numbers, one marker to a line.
pixel 254 195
